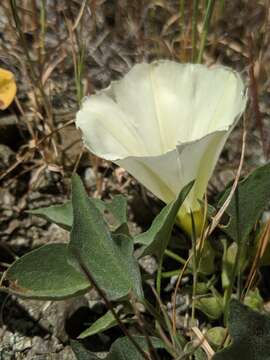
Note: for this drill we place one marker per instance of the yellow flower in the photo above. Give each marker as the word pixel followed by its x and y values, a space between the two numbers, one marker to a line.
pixel 7 88
pixel 166 124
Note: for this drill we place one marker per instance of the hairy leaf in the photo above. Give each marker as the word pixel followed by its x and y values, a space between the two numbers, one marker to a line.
pixel 155 240
pixel 250 332
pixel 121 349
pixel 105 322
pixel 44 273
pixel 108 258
pixel 62 215
pixel 249 201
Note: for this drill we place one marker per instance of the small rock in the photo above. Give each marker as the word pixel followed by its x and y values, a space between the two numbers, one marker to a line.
pixel 6 354
pixel 13 225
pixel 89 177
pixel 41 346
pixel 66 354
pixel 266 216
pixel 21 343
pixel 149 264
pixel 7 200
pixel 6 156
pixel 18 241
pixel 55 315
pixel 56 234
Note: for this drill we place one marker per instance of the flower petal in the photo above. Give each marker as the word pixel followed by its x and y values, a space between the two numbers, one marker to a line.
pixel 107 131
pixel 198 160
pixel 177 103
pixel 166 174
pixel 159 174
pixel 166 124
pixel 7 88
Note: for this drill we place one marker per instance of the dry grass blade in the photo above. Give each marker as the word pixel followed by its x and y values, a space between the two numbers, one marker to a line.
pixel 13 166
pixel 30 63
pixel 204 343
pixel 262 245
pixel 170 344
pixel 140 322
pixel 176 290
pixel 33 146
pixel 48 71
pixel 254 96
pixel 80 15
pixel 222 210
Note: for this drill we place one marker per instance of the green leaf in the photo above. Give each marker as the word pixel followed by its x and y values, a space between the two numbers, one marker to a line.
pixel 108 258
pixel 121 349
pixel 81 352
pixel 44 273
pixel 62 215
pixel 191 350
pixel 118 208
pixel 248 203
pixel 211 306
pixel 254 300
pixel 105 322
pixel 58 214
pixel 207 259
pixel 216 336
pixel 250 332
pixel 229 257
pixel 155 240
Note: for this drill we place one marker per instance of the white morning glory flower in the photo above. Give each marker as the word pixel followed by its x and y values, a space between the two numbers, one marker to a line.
pixel 166 124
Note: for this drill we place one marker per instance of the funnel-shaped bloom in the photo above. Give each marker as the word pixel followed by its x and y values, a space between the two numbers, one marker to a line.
pixel 166 124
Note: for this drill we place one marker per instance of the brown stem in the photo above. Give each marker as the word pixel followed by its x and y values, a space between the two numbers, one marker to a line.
pixel 254 96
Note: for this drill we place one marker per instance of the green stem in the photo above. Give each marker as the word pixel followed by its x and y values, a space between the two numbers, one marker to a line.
pixel 169 274
pixel 175 257
pixel 194 287
pixel 42 29
pixel 194 267
pixel 235 273
pixel 206 22
pixel 194 28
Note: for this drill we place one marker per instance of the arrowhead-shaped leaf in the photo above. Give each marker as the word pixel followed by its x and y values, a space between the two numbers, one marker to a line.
pixel 62 215
pixel 250 332
pixel 248 203
pixel 105 322
pixel 58 214
pixel 155 240
pixel 81 352
pixel 118 208
pixel 121 349
pixel 44 273
pixel 108 258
